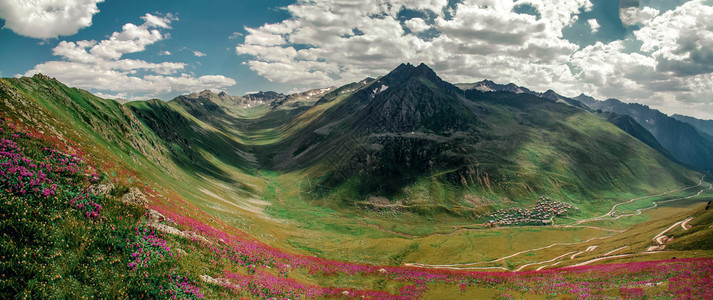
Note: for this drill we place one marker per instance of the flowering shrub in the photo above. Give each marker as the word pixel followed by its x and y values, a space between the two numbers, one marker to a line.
pixel 181 287
pixel 59 241
pixel 632 293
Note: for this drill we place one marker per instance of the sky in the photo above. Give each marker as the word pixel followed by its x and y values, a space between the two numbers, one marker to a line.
pixel 654 52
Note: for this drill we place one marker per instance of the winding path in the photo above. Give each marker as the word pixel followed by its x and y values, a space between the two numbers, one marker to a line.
pixel 606 216
pixel 502 258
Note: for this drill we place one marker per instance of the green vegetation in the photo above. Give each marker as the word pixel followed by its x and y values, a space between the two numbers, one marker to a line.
pixel 62 241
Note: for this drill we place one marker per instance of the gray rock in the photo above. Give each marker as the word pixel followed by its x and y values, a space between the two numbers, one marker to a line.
pixel 135 196
pixel 101 189
pixel 156 216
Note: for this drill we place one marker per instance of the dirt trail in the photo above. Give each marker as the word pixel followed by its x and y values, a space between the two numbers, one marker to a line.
pixel 505 257
pixel 656 204
pixel 542 262
pixel 685 225
pixel 609 257
pixel 613 209
pixel 615 250
pixel 589 249
pixel 661 238
pixel 671 227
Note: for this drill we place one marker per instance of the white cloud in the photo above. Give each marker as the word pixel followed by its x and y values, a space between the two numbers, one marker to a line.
pixel 637 15
pixel 235 35
pixel 681 40
pixel 132 38
pixel 47 18
pixel 609 72
pixel 111 96
pixel 199 54
pixel 594 25
pixel 417 25
pixel 99 65
pixel 102 78
pixel 479 40
pixel 165 52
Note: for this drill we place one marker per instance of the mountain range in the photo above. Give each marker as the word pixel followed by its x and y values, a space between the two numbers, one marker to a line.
pixel 386 137
pixel 686 143
pixel 681 138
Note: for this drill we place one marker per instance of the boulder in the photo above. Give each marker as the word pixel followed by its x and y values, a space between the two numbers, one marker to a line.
pixel 101 189
pixel 135 196
pixel 155 216
pixel 216 281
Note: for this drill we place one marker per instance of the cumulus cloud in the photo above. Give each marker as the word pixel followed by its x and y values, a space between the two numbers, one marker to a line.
pixel 199 54
pixel 608 70
pixel 98 65
pixel 594 25
pixel 328 42
pixel 118 96
pixel 47 18
pixel 681 40
pixel 417 25
pixel 637 15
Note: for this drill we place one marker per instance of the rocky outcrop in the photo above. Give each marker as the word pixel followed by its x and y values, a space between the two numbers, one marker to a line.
pixel 155 216
pixel 175 231
pixel 135 196
pixel 101 189
pixel 216 281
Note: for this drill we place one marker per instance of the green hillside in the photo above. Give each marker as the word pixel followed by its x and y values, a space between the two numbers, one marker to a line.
pixel 409 130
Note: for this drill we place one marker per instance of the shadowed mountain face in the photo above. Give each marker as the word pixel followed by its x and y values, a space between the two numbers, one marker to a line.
pixel 413 99
pixel 703 126
pixel 408 136
pixel 681 139
pixel 630 126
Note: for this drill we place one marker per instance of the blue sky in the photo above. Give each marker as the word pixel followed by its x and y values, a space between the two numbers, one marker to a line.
pixel 655 52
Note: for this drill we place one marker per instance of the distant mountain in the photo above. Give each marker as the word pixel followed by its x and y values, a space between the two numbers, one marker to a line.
pixel 210 100
pixel 490 86
pixel 630 126
pixel 303 98
pixel 681 139
pixel 704 126
pixel 624 122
